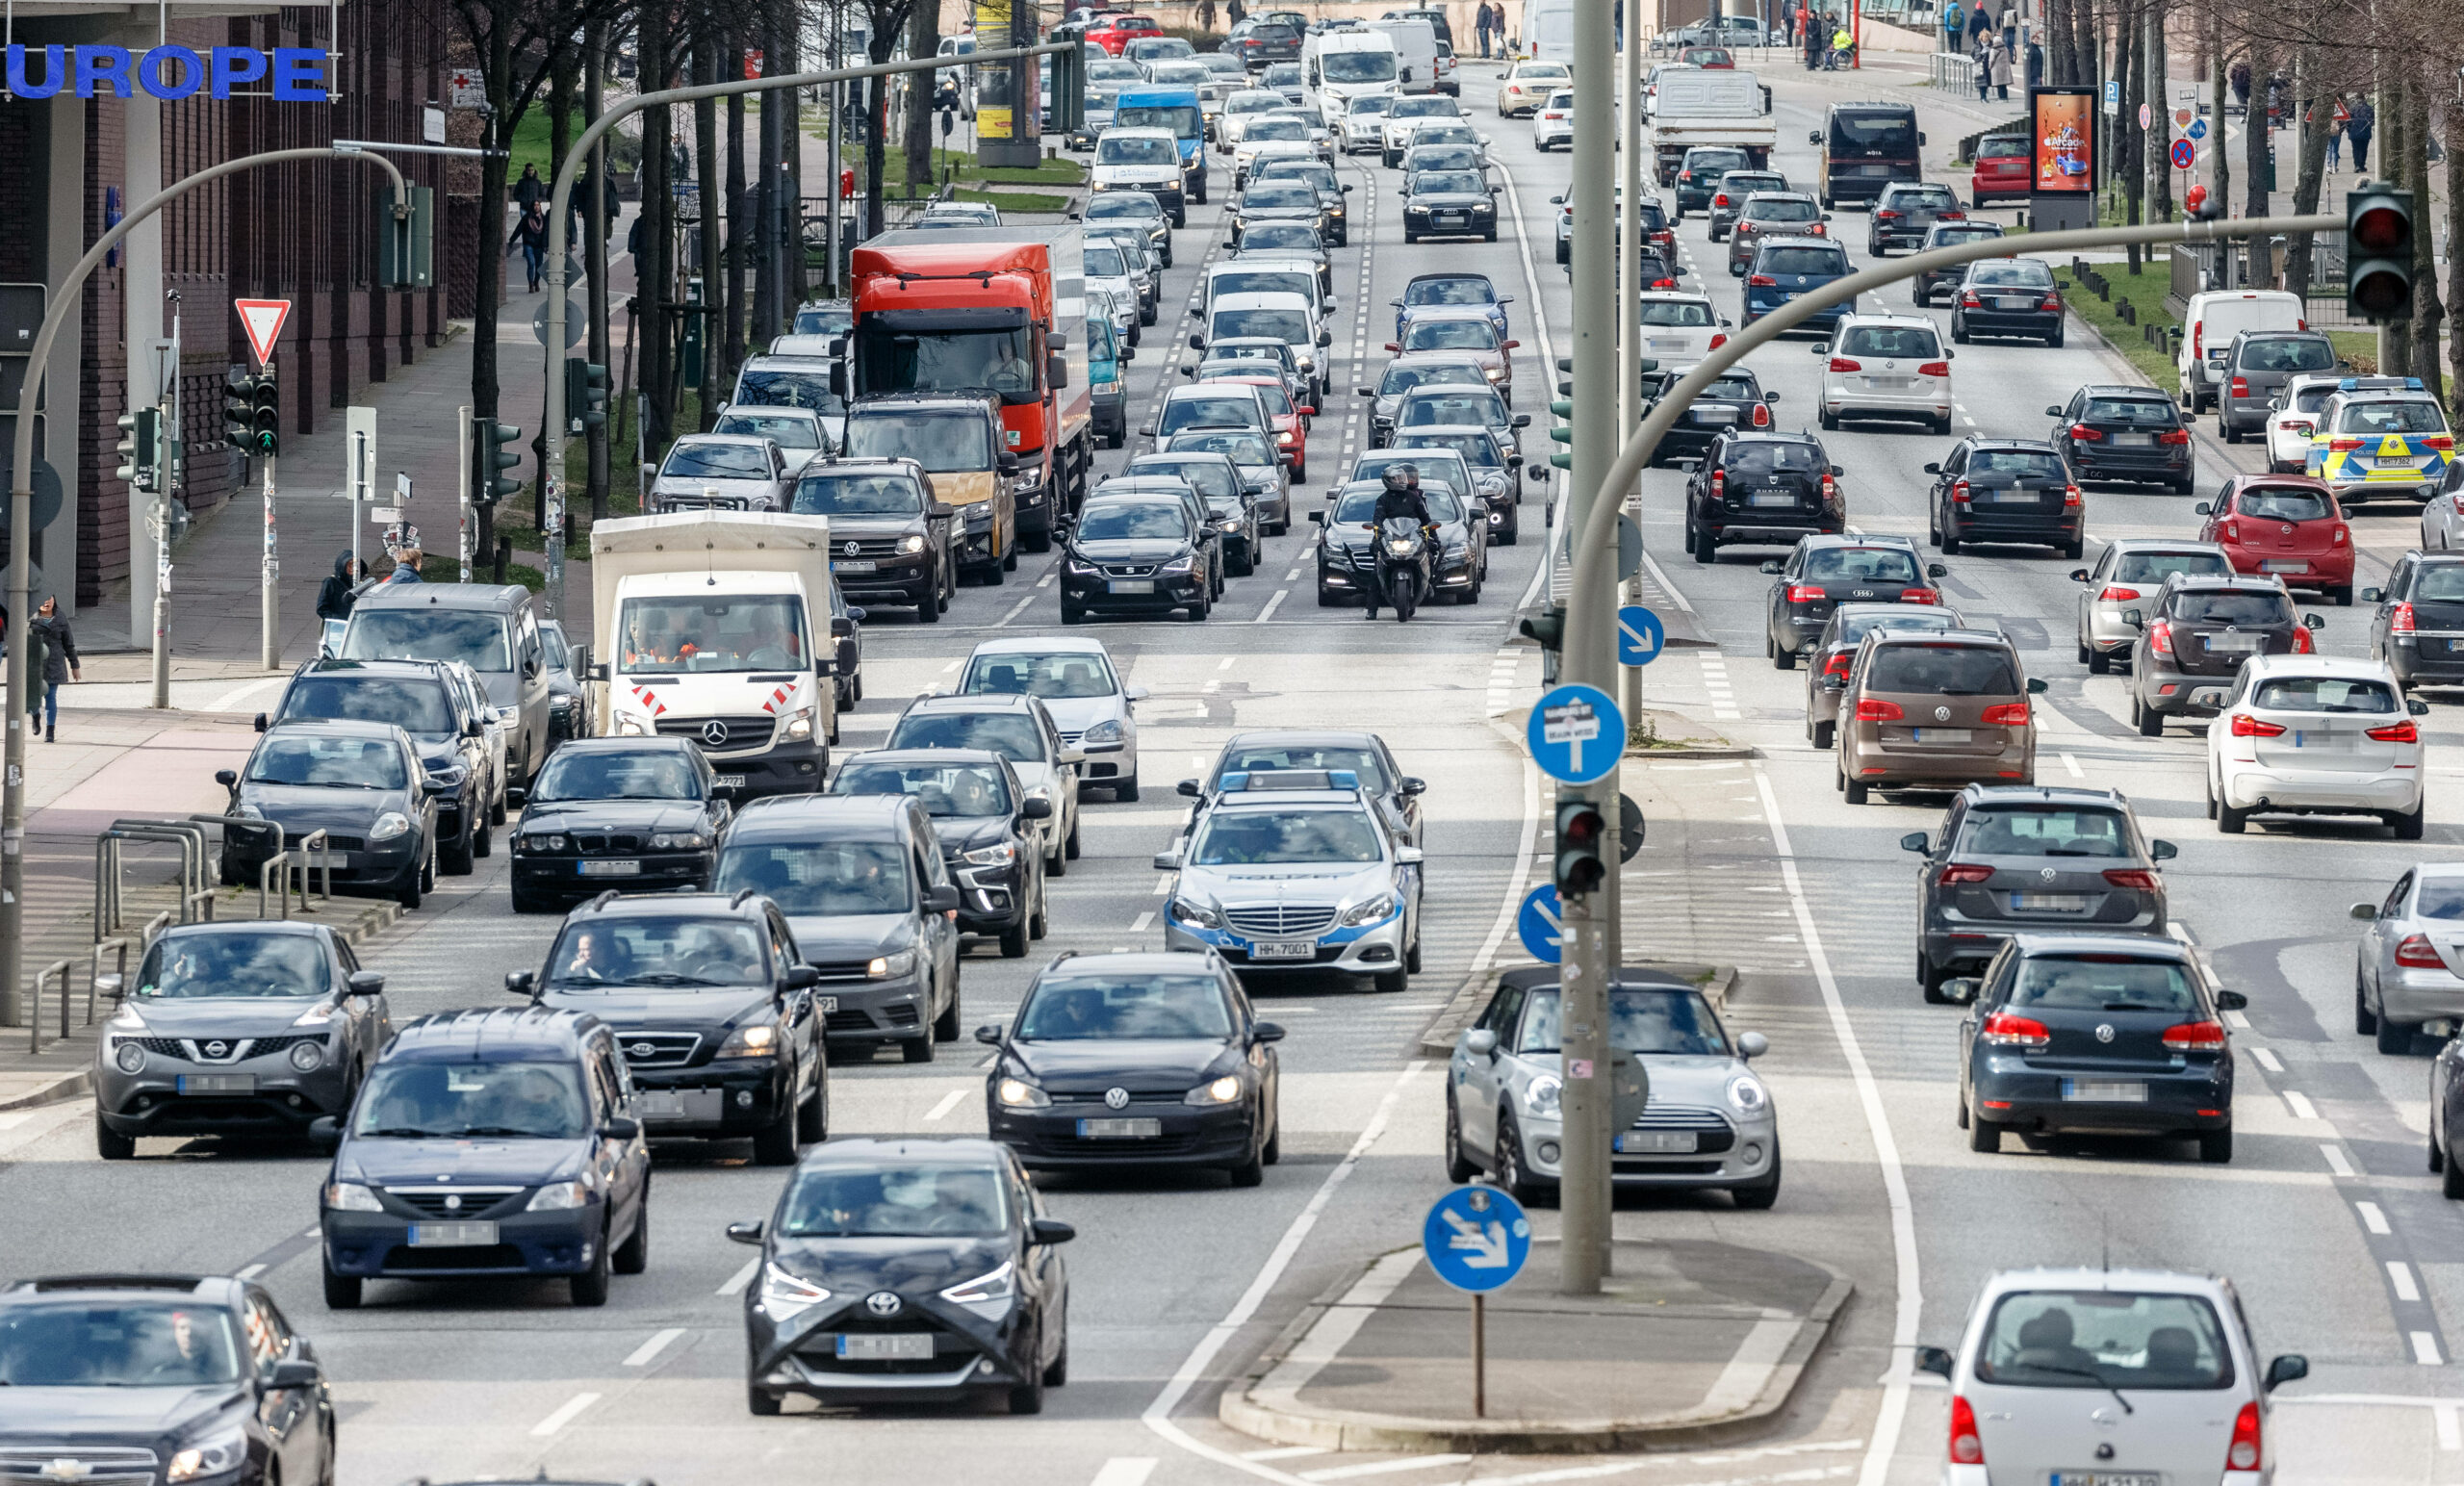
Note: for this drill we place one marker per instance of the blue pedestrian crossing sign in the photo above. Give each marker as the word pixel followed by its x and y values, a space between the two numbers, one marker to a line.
pixel 1477 1238
pixel 1577 733
pixel 1539 923
pixel 1640 636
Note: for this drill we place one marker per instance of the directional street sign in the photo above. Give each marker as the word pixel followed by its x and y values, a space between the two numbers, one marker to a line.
pixel 1539 923
pixel 1639 636
pixel 2185 154
pixel 1577 733
pixel 2197 129
pixel 262 320
pixel 1477 1238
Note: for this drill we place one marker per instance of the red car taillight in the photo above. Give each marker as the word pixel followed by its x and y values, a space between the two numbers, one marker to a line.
pixel 2052 304
pixel 1844 364
pixel 1762 281
pixel 1885 216
pixel 2343 446
pixel 1685 175
pixel 2136 878
pixel 2240 387
pixel 2199 342
pixel 2340 536
pixel 2397 732
pixel 2002 1029
pixel 1966 872
pixel 1829 488
pixel 2442 442
pixel 2008 715
pixel 1873 709
pixel 2401 621
pixel 2070 499
pixel 2115 593
pixel 2302 645
pixel 1919 596
pixel 1838 665
pixel 1718 340
pixel 2417 953
pixel 1966 1449
pixel 1970 302
pixel 1722 199
pixel 2245 725
pixel 2246 1450
pixel 2175 436
pixel 1935 368
pixel 1960 493
pixel 2160 637
pixel 1761 411
pixel 2232 531
pixel 2081 433
pixel 1817 231
pixel 1806 593
pixel 2198 1036
pixel 1719 484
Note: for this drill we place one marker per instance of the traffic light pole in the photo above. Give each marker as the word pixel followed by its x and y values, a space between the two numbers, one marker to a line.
pixel 270 569
pixel 66 297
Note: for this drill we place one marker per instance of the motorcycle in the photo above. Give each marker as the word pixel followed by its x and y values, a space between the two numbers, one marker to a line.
pixel 1402 557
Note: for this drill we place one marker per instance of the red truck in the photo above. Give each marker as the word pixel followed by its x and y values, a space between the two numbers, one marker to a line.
pixel 987 310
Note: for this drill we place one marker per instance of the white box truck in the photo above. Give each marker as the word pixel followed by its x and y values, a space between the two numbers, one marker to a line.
pixel 716 626
pixel 1709 105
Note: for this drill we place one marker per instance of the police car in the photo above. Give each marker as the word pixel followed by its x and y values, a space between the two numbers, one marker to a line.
pixel 2372 443
pixel 1297 870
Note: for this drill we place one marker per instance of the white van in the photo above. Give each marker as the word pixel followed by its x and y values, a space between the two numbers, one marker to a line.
pixel 1415 52
pixel 1348 63
pixel 1548 31
pixel 1258 274
pixel 2208 328
pixel 1291 319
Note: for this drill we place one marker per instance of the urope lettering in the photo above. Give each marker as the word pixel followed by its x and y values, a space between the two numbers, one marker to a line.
pixel 167 72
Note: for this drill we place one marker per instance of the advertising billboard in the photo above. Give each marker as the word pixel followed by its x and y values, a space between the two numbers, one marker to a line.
pixel 2063 141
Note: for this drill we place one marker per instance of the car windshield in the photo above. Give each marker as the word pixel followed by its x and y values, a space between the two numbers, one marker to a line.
pixel 2104 1339
pixel 1714 163
pixel 2001 146
pixel 1738 183
pixel 2151 412
pixel 786 432
pixel 2324 694
pixel 1876 564
pixel 329 764
pixel 1952 233
pixel 1213 478
pixel 1357 504
pixel 1049 674
pixel 964 791
pixel 1254 838
pixel 1271 281
pixel 519 1100
pixel 2156 567
pixel 1892 133
pixel 50 1341
pixel 1470 406
pixel 1674 1022
pixel 1441 183
pixel 1371 103
pixel 1282 237
pixel 824 319
pixel 2268 503
pixel 1137 149
pixel 1252 102
pixel 1436 475
pixel 415 704
pixel 1289 326
pixel 848 493
pixel 198 966
pixel 2046 831
pixel 812 879
pixel 1912 343
pixel 746 632
pixel 950 441
pixel 1531 69
pixel 1251 757
pixel 1450 290
pixel 1783 210
pixel 1278 127
pixel 1014 735
pixel 1132 521
pixel 2019 274
pixel 2243 610
pixel 1805 262
pixel 1449 335
pixel 661 951
pixel 1773 456
pixel 1677 312
pixel 1086 1007
pixel 1241 447
pixel 1944 670
pixel 1854 627
pixel 897 1202
pixel 551 640
pixel 1122 203
pixel 1932 198
pixel 789 388
pixel 2440 582
pixel 1105 262
pixel 1182 119
pixel 2412 415
pixel 2286 353
pixel 476 638
pixel 2103 982
pixel 1478 450
pixel 2026 464
pixel 596 774
pixel 1357 66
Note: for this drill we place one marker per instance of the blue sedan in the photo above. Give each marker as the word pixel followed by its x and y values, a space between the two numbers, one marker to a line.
pixel 1784 269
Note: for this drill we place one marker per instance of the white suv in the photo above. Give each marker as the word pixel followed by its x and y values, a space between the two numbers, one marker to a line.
pixel 2294 417
pixel 1077 684
pixel 1886 366
pixel 2313 735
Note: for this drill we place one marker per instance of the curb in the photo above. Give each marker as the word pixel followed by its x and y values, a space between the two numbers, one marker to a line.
pixel 60 1090
pixel 1437 1039
pixel 1344 1429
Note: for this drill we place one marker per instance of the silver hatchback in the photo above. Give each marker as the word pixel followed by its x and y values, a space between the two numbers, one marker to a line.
pixel 2408 974
pixel 2126 576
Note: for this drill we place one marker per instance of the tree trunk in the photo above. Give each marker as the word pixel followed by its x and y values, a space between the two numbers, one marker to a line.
pixel 594 217
pixel 2314 108
pixel 711 210
pixel 2427 311
pixel 923 40
pixel 2087 54
pixel 497 77
pixel 2160 131
pixel 2258 138
pixel 739 210
pixel 2058 64
pixel 790 29
pixel 653 270
pixel 876 95
pixel 560 143
pixel 764 243
pixel 2454 265
pixel 2219 187
pixel 2130 142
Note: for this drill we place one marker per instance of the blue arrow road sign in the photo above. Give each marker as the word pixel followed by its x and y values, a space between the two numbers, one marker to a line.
pixel 2197 129
pixel 1639 636
pixel 1538 925
pixel 1477 1238
pixel 1577 733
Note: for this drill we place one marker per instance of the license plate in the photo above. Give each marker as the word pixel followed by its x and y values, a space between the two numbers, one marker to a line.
pixel 1142 585
pixel 1886 383
pixel 1772 498
pixel 1284 949
pixel 1873 170
pixel 2380 465
pixel 2455 647
pixel 2014 302
pixel 2134 441
pixel 611 869
pixel 1656 1142
pixel 217 1083
pixel 1667 345
pixel 2326 742
pixel 2237 643
pixel 896 1347
pixel 2106 1479
pixel 732 780
pixel 1716 418
pixel 2008 497
pixel 2048 903
pixel 452 1235
pixel 842 565
pixel 2099 1091
pixel 2274 565
pixel 1942 734
pixel 826 1004
pixel 660 1103
pixel 1120 1129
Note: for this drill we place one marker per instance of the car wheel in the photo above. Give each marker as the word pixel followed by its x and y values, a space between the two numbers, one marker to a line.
pixel 2216 1146
pixel 2450 1184
pixel 412 888
pixel 1517 1182
pixel 2184 486
pixel 633 1255
pixel 1027 1398
pixel 1920 295
pixel 2149 722
pixel 1013 940
pixel 1824 733
pixel 1783 658
pixel 1757 1196
pixel 1857 791
pixel 917 1050
pixel 760 1402
pixel 1458 1167
pixel 2342 594
pixel 496 810
pixel 1392 983
pixel 1073 614
pixel 1125 790
pixel 454 856
pixel 2053 342
pixel 1041 923
pixel 1412 958
pixel 2231 821
pixel 527 903
pixel 111 1144
pixel 1707 548
pixel 945 1027
pixel 1983 1135
pixel 589 1288
pixel 1070 850
pixel 774 1145
pixel 341 1290
pixel 1057 864
pixel 2365 1022
pixel 812 1117
pixel 1252 1173
pixel 1931 977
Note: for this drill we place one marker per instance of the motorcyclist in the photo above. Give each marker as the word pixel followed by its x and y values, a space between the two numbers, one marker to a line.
pixel 1401 496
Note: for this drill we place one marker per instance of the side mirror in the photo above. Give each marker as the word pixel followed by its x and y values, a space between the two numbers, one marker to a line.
pixel 1933 469
pixel 261 717
pixel 1050 1230
pixel 941 510
pixel 1126 353
pixel 2416 708
pixel 1006 462
pixel 1814 136
pixel 1368 392
pixel 1934 569
pixel 1326 338
pixel 2313 622
pixel 1035 810
pixel 2373 595
pixel 1189 369
pixel 228 778
pixel 745 1233
pixel 520 982
pixel 1197 342
pixel 1752 1045
pixel 1285 456
pixel 1190 787
pixel 1518 421
pixel 1169 862
pixel 1409 855
pixel 841 626
pixel 1962 990
pixel 2133 617
pixel 110 987
pixel 325 1133
pixel 1480 1042
pixel 2290 1368
pixel 2366 912
pixel 1394 345
pixel 620 1129
pixel 2036 686
pixel 2232 1001
pixel 2163 851
pixel 1817 350
pixel 943 899
pixel 2053 412
pixel 2203 508
pixel 1315 519
pixel 2078 574
pixel 1933 1360
pixel 1771 568
pixel 294 1373
pixel 1056 369
pixel 1918 842
pixel 1770 396
pixel 989 1034
pixel 801 978
pixel 362 982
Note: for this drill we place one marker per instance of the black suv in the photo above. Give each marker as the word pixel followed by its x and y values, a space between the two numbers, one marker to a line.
pixel 711 1007
pixel 638 813
pixel 1765 488
pixel 1134 553
pixel 2196 633
pixel 2419 627
pixel 980 816
pixel 1734 403
pixel 108 1376
pixel 1824 572
pixel 2131 434
pixel 417 696
pixel 2005 490
pixel 890 536
pixel 1696 177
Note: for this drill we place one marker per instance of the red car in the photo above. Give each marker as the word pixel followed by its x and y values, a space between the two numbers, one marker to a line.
pixel 2283 526
pixel 1112 32
pixel 1707 57
pixel 2003 167
pixel 1290 421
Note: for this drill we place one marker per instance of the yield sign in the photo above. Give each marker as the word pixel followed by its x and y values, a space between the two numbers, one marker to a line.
pixel 262 320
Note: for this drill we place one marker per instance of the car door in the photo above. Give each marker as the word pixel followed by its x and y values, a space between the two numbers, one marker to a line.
pixel 1047 1274
pixel 1776 605
pixel 1064 773
pixel 1480 1081
pixel 620 1176
pixel 287 1415
pixel 802 1014
pixel 2107 562
pixel 369 1019
pixel 1953 464
pixel 2379 942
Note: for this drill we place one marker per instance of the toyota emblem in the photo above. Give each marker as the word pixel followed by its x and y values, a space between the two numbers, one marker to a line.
pixel 2104 1032
pixel 216 1049
pixel 714 732
pixel 2049 873
pixel 852 548
pixel 1115 1098
pixel 1941 714
pixel 882 1302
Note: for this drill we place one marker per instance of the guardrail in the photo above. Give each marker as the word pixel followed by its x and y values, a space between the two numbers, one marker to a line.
pixel 1950 72
pixel 311 853
pixel 111 905
pixel 33 1015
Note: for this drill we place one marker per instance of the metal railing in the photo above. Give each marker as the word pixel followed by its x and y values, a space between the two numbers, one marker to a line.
pixel 110 887
pixel 1950 72
pixel 311 851
pixel 34 1016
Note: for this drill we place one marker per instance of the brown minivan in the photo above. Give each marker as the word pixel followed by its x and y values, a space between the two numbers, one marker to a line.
pixel 1935 710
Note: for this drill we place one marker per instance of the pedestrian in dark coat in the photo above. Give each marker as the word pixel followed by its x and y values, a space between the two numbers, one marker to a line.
pixel 333 595
pixel 2365 119
pixel 58 661
pixel 530 189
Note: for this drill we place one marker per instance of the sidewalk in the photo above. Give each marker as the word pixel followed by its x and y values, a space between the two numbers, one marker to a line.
pixel 1689 1343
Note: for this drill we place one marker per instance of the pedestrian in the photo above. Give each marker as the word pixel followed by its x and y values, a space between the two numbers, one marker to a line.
pixel 406 566
pixel 1206 14
pixel 1480 29
pixel 333 595
pixel 1980 22
pixel 1981 61
pixel 1810 28
pixel 530 188
pixel 2338 121
pixel 52 662
pixel 1954 26
pixel 2002 72
pixel 2036 64
pixel 1236 12
pixel 530 235
pixel 2357 128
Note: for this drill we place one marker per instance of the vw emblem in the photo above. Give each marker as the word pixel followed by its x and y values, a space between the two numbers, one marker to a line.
pixel 882 1302
pixel 453 1204
pixel 2049 873
pixel 852 548
pixel 2104 1032
pixel 1115 1098
pixel 1941 714
pixel 216 1049
pixel 641 1050
pixel 714 732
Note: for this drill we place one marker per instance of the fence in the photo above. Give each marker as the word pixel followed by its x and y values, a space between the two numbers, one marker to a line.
pixel 1952 72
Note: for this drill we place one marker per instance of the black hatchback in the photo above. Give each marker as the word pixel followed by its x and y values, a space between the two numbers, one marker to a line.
pixel 1824 572
pixel 2418 628
pixel 2196 633
pixel 1697 178
pixel 2007 296
pixel 1735 402
pixel 1765 488
pixel 1132 555
pixel 635 813
pixel 2133 435
pixel 2005 490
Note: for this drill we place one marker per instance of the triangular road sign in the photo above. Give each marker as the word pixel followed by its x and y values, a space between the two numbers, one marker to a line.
pixel 262 320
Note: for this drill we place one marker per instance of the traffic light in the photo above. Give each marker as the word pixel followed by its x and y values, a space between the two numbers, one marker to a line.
pixel 140 449
pixel 586 394
pixel 238 408
pixel 499 447
pixel 265 414
pixel 1581 833
pixel 1562 408
pixel 2378 253
pixel 1546 629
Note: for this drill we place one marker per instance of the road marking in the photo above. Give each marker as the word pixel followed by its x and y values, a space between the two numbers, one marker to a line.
pixel 2372 1218
pixel 2267 1059
pixel 1125 1471
pixel 948 1102
pixel 230 700
pixel 1139 924
pixel 2425 1349
pixel 1272 604
pixel 2336 1162
pixel 2302 1107
pixel 1044 581
pixel 317 1232
pixel 2237 1021
pixel 2072 764
pixel 659 1342
pixel 1017 609
pixel 740 1279
pixel 947 669
pixel 1163 885
pixel 1292 576
pixel 2450 1432
pixel 1284 1453
pixel 249 1273
pixel 2400 1275
pixel 564 1415
pixel 1226 663
pixel 1384 1468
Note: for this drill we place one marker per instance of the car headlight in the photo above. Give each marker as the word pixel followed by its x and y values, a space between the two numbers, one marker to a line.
pixel 126 1019
pixel 784 1296
pixel 1221 1090
pixel 761 1039
pixel 1495 374
pixel 680 841
pixel 351 1198
pixel 448 773
pixel 1541 1099
pixel 1369 913
pixel 1028 477
pixel 1228 524
pixel 1000 853
pixel 307 1056
pixel 1081 567
pixel 544 841
pixel 1106 731
pixel 997 1288
pixel 391 824
pixel 251 812
pixel 1179 564
pixel 799 724
pixel 884 966
pixel 632 727
pixel 130 1056
pixel 1195 914
pixel 1283 438
pixel 913 543
pixel 559 1197
pixel 216 1456
pixel 1019 1094
pixel 1747 1093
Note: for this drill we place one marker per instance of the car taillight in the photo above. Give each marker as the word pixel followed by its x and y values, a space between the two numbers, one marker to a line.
pixel 1873 709
pixel 2199 342
pixel 1960 493
pixel 2175 436
pixel 1762 281
pixel 2302 644
pixel 2240 387
pixel 2244 1452
pixel 2136 878
pixel 1935 368
pixel 2344 446
pixel 2299 425
pixel 1829 488
pixel 2232 531
pixel 1806 593
pixel 2004 1030
pixel 2008 715
pixel 2417 953
pixel 2052 304
pixel 1719 484
pixel 2115 593
pixel 1761 411
pixel 1970 302
pixel 2397 732
pixel 1666 283
pixel 1685 175
pixel 2071 498
pixel 1966 1449
pixel 2245 725
pixel 1967 872
pixel 2160 637
pixel 2340 536
pixel 2401 621
pixel 1885 216
pixel 1719 339
pixel 1844 364
pixel 1950 216
pixel 2198 1036
pixel 2442 442
pixel 1818 230
pixel 1722 199
pixel 2081 433
pixel 1838 664
pixel 1919 596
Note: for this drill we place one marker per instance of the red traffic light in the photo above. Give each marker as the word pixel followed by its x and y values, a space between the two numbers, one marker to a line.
pixel 2378 228
pixel 1581 831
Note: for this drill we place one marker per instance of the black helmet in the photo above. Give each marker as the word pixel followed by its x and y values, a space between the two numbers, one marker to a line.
pixel 1401 477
